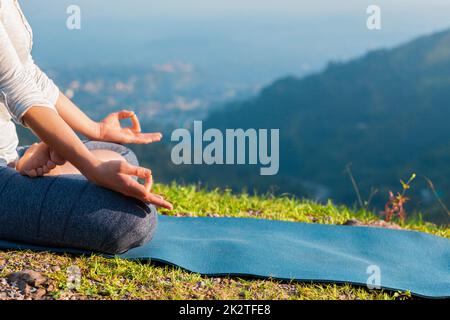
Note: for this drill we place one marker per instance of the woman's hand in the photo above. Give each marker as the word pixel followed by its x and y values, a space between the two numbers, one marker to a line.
pixel 111 130
pixel 117 175
pixel 108 129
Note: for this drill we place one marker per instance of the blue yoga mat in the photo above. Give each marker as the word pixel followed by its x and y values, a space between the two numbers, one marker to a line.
pixel 400 260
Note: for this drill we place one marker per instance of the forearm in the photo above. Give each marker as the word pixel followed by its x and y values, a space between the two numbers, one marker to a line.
pixel 57 134
pixel 109 129
pixel 76 118
pixel 116 175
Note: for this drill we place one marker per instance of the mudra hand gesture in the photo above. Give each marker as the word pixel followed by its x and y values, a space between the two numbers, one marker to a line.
pixel 111 130
pixel 113 174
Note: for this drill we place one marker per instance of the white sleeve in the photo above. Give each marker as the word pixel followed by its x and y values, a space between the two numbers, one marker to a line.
pixel 18 87
pixel 46 85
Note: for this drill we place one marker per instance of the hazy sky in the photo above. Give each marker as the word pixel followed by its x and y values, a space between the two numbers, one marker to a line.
pixel 255 40
pixel 196 8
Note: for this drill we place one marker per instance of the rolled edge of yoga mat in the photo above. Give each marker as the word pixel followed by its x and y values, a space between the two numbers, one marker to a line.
pixel 406 260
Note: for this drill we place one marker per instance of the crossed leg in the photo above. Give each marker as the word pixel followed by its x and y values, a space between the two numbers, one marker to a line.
pixel 39 160
pixel 70 212
pixel 101 154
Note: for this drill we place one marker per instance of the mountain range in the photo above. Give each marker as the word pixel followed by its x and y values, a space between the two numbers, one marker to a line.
pixel 386 113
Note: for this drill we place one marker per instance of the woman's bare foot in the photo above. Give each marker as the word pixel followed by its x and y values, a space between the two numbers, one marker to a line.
pixel 38 160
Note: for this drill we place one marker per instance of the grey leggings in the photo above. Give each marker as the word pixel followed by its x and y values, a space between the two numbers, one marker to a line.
pixel 69 211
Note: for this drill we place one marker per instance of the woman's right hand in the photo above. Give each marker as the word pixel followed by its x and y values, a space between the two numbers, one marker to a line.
pixel 118 175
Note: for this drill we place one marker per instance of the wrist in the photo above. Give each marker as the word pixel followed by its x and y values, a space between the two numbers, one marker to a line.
pixel 90 168
pixel 96 133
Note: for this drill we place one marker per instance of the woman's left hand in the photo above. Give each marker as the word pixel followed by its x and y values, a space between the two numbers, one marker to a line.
pixel 111 130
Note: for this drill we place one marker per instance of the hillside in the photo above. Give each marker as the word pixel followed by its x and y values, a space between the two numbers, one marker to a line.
pixel 386 113
pixel 120 279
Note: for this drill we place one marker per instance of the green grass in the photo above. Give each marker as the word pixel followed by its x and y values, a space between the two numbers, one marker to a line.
pixel 120 279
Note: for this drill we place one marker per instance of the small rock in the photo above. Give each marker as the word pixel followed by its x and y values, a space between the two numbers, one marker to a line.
pixel 352 222
pixel 384 224
pixel 199 285
pixel 39 294
pixel 30 277
pixel 8 292
pixel 213 215
pixel 24 288
pixel 217 280
pixel 345 297
pixel 55 268
pixel 2 264
pixel 183 214
pixel 255 212
pixel 290 289
pixel 376 224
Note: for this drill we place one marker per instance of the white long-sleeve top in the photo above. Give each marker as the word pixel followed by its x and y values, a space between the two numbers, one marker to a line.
pixel 22 83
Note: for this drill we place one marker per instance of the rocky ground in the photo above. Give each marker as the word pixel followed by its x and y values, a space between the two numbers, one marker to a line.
pixel 26 284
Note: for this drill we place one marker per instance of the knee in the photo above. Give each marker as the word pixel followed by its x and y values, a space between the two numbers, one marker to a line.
pixel 121 150
pixel 133 231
